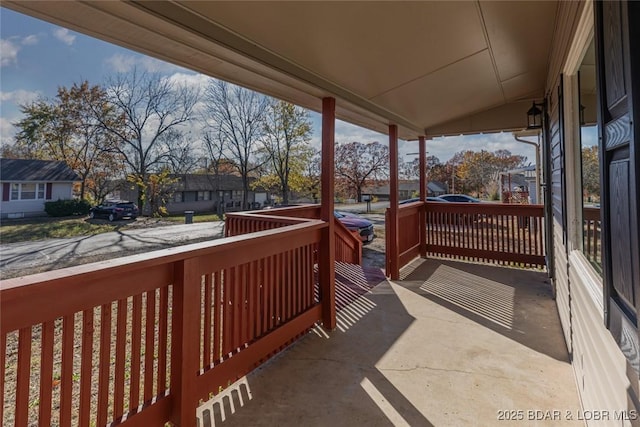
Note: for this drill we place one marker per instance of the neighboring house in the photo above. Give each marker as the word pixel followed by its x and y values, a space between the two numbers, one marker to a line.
pixel 206 193
pixel 406 190
pixel 28 184
pixel 522 180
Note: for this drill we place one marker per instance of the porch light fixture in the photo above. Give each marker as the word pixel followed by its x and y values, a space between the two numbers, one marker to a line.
pixel 534 116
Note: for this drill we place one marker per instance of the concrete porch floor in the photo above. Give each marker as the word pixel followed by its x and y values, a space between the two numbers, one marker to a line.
pixel 450 344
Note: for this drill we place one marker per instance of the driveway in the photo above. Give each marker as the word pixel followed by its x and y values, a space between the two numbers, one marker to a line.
pixel 18 259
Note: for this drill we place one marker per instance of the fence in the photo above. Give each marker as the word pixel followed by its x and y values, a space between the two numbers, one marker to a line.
pixel 142 340
pixel 494 233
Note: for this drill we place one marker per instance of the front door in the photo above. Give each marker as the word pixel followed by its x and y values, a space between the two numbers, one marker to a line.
pixel 618 74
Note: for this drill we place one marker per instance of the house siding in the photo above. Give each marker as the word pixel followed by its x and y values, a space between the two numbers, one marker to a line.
pixel 604 377
pixel 27 208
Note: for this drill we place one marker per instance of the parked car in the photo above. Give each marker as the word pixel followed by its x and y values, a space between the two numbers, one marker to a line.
pixel 417 199
pixel 115 210
pixel 353 222
pixel 459 198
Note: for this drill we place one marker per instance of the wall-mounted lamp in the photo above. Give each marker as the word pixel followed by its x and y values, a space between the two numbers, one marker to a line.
pixel 534 116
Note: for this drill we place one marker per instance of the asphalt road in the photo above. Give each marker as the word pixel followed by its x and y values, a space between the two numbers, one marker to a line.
pixel 29 257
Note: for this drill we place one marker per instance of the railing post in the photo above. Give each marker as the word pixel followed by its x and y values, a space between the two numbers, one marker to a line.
pixel 185 343
pixel 422 228
pixel 392 226
pixel 326 265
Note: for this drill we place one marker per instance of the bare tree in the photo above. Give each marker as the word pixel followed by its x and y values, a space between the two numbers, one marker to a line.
pixel 357 164
pixel 237 116
pixel 183 154
pixel 155 110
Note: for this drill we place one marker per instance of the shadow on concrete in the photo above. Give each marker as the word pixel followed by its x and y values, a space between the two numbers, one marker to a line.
pixel 516 303
pixel 315 382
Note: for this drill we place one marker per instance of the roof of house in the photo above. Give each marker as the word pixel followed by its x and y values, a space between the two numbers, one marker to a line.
pixel 208 182
pixel 36 170
pixel 437 186
pixel 413 185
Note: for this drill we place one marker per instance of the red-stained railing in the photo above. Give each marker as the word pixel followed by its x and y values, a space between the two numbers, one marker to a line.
pixel 592 243
pixel 408 233
pixel 141 340
pixel 348 245
pixel 494 233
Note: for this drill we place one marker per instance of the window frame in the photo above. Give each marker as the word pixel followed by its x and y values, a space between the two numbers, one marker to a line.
pixel 40 191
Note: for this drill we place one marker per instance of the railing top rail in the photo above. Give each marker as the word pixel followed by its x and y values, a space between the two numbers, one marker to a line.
pixel 288 211
pixel 272 218
pixel 491 208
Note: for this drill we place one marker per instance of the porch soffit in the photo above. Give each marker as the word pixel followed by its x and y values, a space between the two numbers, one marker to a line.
pixel 422 65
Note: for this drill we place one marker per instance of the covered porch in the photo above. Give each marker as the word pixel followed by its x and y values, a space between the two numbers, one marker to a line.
pixel 439 343
pixel 448 343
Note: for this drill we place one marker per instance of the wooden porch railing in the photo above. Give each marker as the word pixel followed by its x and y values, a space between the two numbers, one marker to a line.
pixel 142 340
pixel 495 233
pixel 347 243
pixel 592 243
pixel 408 233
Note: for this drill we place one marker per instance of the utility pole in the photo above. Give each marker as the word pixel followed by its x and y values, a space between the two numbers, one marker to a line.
pixel 453 179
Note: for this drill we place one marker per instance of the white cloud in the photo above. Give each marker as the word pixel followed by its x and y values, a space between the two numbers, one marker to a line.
pixel 20 97
pixel 7 130
pixel 30 40
pixel 199 81
pixel 8 52
pixel 445 147
pixel 64 36
pixel 121 63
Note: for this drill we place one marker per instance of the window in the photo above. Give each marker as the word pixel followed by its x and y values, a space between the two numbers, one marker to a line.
pixel 237 194
pixel 28 191
pixel 177 197
pixel 203 195
pixel 590 161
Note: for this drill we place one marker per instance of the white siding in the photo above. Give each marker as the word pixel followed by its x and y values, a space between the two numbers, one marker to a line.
pixel 561 282
pixel 61 191
pixel 600 367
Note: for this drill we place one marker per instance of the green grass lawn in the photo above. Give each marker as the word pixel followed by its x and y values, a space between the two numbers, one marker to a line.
pixel 24 230
pixel 51 228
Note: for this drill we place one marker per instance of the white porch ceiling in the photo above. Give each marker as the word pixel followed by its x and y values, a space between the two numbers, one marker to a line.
pixel 432 68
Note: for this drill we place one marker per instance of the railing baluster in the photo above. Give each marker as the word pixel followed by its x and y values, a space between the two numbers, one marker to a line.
pixel 136 338
pixel 218 313
pixel 149 344
pixel 121 342
pixel 66 377
pixel 206 329
pixel 104 362
pixel 46 374
pixel 163 329
pixel 23 377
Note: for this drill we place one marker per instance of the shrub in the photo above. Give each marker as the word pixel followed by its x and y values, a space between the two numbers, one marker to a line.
pixel 67 207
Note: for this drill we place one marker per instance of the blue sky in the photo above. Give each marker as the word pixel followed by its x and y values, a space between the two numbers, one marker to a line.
pixel 37 58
